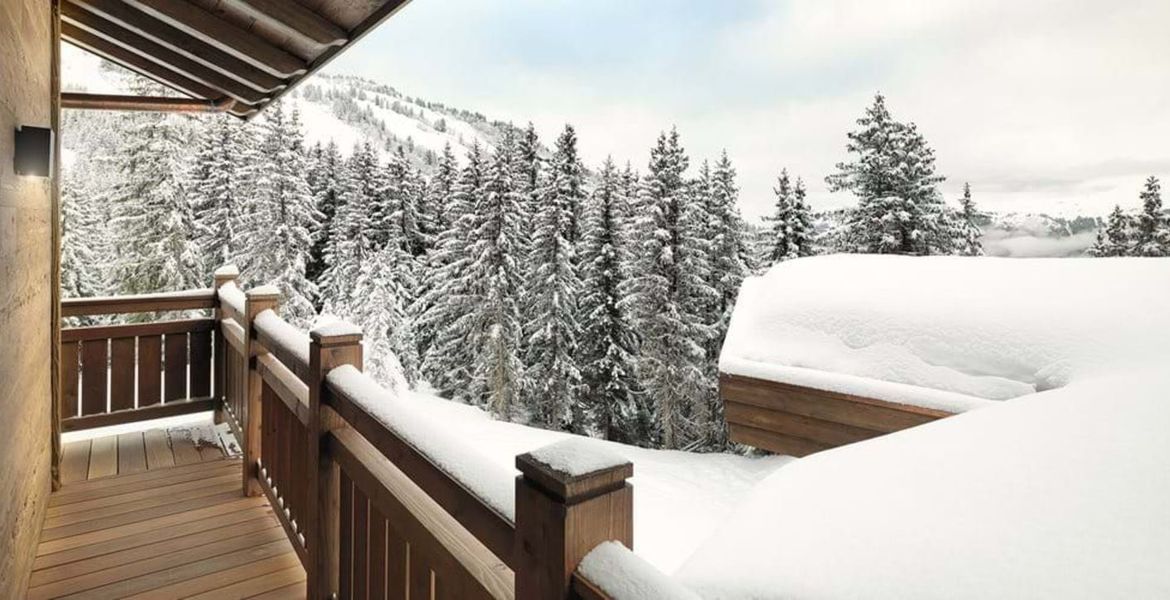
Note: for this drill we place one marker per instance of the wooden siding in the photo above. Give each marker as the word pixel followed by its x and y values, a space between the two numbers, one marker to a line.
pixel 798 421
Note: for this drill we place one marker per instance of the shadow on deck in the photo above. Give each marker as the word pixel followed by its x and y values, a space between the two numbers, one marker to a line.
pixel 154 515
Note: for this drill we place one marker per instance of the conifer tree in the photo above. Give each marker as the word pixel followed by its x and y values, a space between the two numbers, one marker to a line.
pixel 1152 231
pixel 672 361
pixel 553 379
pixel 221 187
pixel 380 302
pixel 893 176
pixel 608 344
pixel 1115 238
pixel 449 297
pixel 82 241
pixel 494 278
pixel 528 169
pixel 353 235
pixel 969 236
pixel 327 170
pixel 791 231
pixel 279 228
pixel 151 216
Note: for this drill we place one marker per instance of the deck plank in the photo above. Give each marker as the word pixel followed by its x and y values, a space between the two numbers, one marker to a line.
pixel 259 584
pixel 80 540
pixel 158 450
pixel 75 461
pixel 103 457
pixel 213 583
pixel 88 488
pixel 139 501
pixel 295 591
pixel 184 447
pixel 131 453
pixel 56 533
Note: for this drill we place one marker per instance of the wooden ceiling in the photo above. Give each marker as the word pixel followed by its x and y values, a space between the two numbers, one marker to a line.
pixel 239 53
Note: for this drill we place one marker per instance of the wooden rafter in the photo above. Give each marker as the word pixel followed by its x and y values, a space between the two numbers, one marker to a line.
pixel 238 53
pixel 216 31
pixel 299 19
pixel 181 43
pixel 160 54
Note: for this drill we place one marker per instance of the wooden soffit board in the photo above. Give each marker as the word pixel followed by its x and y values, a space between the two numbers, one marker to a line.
pixel 251 51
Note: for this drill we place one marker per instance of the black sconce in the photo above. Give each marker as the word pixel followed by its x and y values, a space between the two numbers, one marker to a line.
pixel 34 151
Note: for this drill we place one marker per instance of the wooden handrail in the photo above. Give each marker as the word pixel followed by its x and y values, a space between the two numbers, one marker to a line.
pixel 493 529
pixel 111 305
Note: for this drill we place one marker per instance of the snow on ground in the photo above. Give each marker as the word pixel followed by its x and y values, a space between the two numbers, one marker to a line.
pixel 1059 495
pixel 679 497
pixel 964 331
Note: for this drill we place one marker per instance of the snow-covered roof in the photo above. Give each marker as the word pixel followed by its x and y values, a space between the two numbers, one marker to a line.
pixel 1062 494
pixel 952 333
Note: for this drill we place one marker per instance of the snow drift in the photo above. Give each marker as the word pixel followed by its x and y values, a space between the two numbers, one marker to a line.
pixel 951 333
pixel 1058 495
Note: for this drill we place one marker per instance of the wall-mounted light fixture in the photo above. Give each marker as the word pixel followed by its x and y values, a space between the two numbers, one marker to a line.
pixel 34 151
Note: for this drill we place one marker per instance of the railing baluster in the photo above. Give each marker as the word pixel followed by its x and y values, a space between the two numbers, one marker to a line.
pixel 329 348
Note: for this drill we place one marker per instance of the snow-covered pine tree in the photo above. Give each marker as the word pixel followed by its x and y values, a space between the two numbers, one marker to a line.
pixel 441 185
pixel 380 303
pixel 152 221
pixel 893 176
pixel 83 249
pixel 221 187
pixel 396 206
pixel 607 344
pixel 352 236
pixel 444 310
pixel 552 378
pixel 1152 231
pixel 672 361
pixel 1115 238
pixel 494 278
pixel 791 230
pixel 527 171
pixel 969 237
pixel 278 230
pixel 327 175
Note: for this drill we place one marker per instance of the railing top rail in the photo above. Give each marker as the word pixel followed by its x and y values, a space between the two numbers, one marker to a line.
pixel 495 530
pixel 142 303
pixel 283 339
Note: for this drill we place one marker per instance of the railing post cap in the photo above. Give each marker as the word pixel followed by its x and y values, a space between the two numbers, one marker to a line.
pixel 575 469
pixel 336 333
pixel 226 273
pixel 263 292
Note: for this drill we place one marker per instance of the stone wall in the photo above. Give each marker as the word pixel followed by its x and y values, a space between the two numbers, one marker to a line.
pixel 26 55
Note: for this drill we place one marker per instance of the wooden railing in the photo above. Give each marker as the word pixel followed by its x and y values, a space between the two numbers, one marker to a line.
pixel 115 374
pixel 370 514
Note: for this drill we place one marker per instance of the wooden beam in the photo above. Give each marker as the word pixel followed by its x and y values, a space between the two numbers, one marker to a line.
pixel 112 305
pixel 214 30
pixel 178 41
pixel 297 18
pixel 162 55
pixel 83 101
pixel 88 41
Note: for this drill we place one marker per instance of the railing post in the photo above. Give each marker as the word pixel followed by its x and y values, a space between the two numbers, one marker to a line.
pixel 330 347
pixel 570 497
pixel 257 301
pixel 222 276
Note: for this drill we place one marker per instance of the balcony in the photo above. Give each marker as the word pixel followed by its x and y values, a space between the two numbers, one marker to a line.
pixel 314 493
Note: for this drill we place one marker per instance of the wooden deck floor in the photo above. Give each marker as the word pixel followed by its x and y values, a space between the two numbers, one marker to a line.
pixel 140 451
pixel 160 528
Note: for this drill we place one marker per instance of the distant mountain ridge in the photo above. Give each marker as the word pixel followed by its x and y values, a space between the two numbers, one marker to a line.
pixel 349 110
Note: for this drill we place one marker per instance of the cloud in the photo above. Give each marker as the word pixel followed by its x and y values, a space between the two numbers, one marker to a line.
pixel 1051 105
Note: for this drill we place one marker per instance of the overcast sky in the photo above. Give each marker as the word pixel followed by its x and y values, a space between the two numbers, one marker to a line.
pixel 1043 105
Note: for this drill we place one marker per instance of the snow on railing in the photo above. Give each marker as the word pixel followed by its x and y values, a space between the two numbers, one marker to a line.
pixel 619 574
